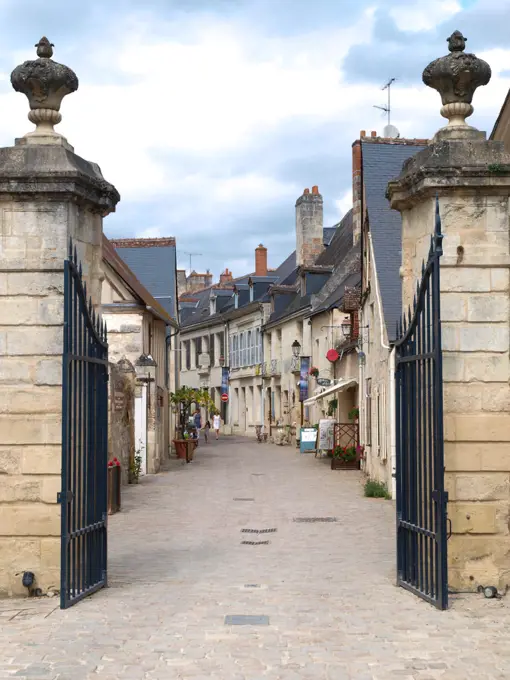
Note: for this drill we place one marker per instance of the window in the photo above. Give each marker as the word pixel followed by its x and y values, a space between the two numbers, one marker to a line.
pixel 198 350
pixel 212 349
pixel 187 351
pixel 235 353
pixel 258 346
pixel 222 344
pixel 368 412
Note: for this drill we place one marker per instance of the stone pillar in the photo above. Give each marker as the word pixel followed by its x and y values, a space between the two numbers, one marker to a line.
pixel 309 227
pixel 471 176
pixel 48 194
pixel 146 376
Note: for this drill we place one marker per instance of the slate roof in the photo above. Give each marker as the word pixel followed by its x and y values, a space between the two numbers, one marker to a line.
pixel 154 262
pixel 122 270
pixel 382 163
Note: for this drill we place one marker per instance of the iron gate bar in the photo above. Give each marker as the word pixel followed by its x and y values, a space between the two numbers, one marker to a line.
pixel 422 566
pixel 83 497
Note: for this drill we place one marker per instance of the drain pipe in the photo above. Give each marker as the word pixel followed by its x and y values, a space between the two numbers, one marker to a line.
pixel 391 380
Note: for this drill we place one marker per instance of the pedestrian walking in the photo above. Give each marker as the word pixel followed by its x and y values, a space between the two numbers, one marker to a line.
pixel 197 420
pixel 207 427
pixel 216 424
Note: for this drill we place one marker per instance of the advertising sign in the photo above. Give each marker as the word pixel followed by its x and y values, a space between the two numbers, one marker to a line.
pixel 326 435
pixel 303 378
pixel 307 439
pixel 224 381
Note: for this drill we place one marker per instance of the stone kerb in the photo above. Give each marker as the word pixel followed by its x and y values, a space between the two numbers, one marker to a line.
pixel 47 195
pixel 471 176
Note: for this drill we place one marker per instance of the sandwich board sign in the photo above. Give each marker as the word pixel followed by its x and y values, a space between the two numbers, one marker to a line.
pixel 308 439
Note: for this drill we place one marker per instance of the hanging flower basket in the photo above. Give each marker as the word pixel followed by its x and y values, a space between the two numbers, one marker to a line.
pixel 314 371
pixel 113 486
pixel 346 458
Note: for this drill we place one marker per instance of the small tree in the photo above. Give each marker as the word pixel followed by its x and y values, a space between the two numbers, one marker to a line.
pixel 185 397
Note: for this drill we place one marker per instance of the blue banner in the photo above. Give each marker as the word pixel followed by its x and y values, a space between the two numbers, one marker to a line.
pixel 303 378
pixel 224 380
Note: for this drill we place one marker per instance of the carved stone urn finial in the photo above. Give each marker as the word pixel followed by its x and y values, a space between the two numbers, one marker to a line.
pixel 45 83
pixel 456 77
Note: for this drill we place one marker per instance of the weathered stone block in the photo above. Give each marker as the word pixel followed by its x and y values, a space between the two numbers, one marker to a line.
pixel 477 456
pixel 30 400
pixel 478 560
pixel 19 488
pixel 485 308
pixel 479 427
pixel 453 306
pixel 462 397
pixel 30 519
pixel 453 367
pixel 486 367
pixel 500 279
pixel 38 429
pixel 40 460
pixel 50 487
pixel 496 397
pixel 484 338
pixel 17 555
pixel 10 460
pixel 465 280
pixel 50 553
pixel 15 370
pixel 450 337
pixel 48 372
pixel 480 486
pixel 473 518
pixel 41 341
pixel 33 283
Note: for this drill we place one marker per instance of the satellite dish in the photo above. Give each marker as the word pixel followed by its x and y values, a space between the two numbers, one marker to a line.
pixel 390 132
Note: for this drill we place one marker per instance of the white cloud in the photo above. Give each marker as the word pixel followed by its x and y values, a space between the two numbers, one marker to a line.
pixel 422 16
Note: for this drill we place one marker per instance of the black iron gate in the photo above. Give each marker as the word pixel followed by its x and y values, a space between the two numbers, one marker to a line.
pixel 421 498
pixel 84 442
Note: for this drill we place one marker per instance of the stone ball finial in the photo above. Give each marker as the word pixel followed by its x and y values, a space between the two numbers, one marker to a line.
pixel 45 83
pixel 456 77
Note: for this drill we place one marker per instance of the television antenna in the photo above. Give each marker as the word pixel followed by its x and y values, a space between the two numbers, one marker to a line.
pixel 387 108
pixel 185 252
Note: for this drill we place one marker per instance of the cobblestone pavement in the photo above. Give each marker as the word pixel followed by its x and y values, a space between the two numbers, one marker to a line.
pixel 178 566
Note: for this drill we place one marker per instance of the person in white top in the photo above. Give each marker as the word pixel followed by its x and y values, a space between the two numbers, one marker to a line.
pixel 216 424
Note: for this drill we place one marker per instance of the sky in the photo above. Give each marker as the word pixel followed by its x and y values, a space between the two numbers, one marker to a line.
pixel 211 116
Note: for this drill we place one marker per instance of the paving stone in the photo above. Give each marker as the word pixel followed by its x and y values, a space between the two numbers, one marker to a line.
pixel 176 569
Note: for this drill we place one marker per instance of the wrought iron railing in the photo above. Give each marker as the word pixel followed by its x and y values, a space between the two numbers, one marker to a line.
pixel 421 497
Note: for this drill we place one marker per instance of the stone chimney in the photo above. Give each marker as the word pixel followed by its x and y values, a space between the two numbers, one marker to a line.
pixel 226 277
pixel 309 227
pixel 261 261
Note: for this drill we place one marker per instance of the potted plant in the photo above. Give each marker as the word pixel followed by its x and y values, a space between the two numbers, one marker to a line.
pixel 353 414
pixel 345 458
pixel 135 468
pixel 314 372
pixel 113 486
pixel 183 399
pixel 332 407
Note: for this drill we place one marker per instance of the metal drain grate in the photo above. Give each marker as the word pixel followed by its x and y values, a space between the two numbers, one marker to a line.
pixel 258 531
pixel 246 620
pixel 255 542
pixel 244 499
pixel 315 519
pixel 258 474
pixel 252 585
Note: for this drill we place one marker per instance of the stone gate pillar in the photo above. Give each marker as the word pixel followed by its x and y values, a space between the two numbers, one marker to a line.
pixel 47 195
pixel 471 176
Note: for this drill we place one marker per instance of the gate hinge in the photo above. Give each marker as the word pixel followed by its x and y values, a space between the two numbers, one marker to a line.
pixel 65 497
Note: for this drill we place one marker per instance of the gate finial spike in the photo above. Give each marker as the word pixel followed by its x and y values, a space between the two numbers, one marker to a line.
pixel 90 308
pixel 409 314
pixel 85 292
pixel 404 324
pixel 417 290
pixel 414 303
pixel 400 327
pixel 75 255
pixel 70 248
pixel 438 236
pixel 423 268
pixel 80 271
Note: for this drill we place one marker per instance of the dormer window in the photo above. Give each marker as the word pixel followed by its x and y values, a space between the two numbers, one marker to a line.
pixel 236 299
pixel 212 304
pixel 250 283
pixel 303 285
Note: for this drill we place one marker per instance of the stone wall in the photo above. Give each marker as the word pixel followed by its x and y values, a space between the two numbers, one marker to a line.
pixel 475 314
pixel 121 426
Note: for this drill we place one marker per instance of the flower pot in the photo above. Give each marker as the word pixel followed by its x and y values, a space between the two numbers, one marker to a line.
pixel 180 448
pixel 339 464
pixel 113 486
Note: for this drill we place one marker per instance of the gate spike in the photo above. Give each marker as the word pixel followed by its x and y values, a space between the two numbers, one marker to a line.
pixel 404 324
pixel 80 271
pixel 400 326
pixel 75 255
pixel 90 308
pixel 396 331
pixel 414 303
pixel 410 316
pixel 431 250
pixel 70 248
pixel 423 268
pixel 417 290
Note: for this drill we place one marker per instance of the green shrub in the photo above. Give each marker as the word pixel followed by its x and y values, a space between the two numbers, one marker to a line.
pixel 375 489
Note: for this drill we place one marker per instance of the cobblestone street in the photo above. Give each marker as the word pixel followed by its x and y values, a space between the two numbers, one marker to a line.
pixel 185 553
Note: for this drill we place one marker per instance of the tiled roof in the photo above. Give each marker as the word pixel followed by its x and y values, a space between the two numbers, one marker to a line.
pixel 124 272
pixel 382 163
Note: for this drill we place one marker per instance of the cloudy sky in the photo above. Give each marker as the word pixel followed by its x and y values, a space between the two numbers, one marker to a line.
pixel 212 116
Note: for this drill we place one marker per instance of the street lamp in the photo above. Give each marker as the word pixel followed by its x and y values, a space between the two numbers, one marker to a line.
pixel 221 361
pixel 296 349
pixel 346 329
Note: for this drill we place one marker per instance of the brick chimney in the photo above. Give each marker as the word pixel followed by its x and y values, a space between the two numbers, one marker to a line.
pixel 309 227
pixel 226 277
pixel 357 188
pixel 261 261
